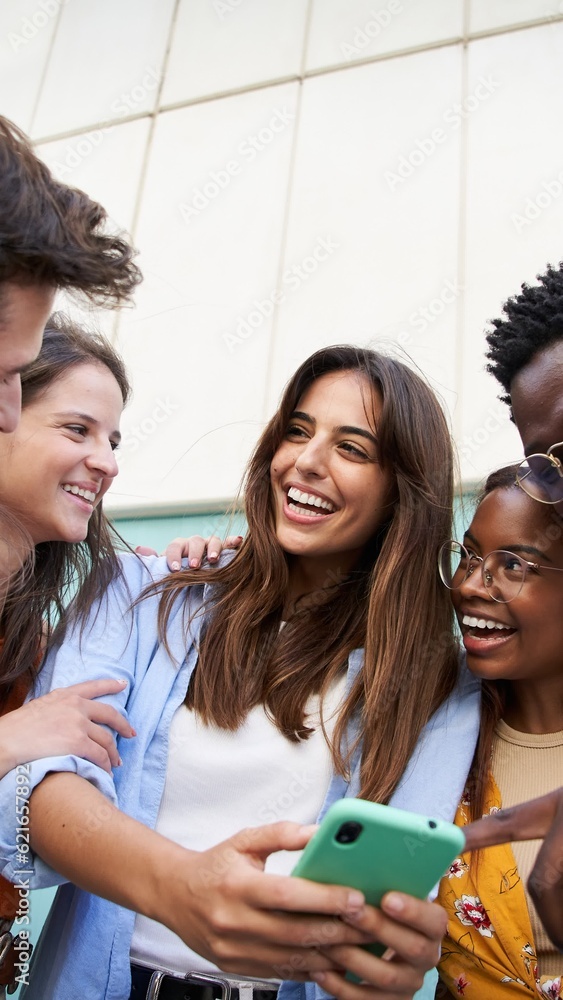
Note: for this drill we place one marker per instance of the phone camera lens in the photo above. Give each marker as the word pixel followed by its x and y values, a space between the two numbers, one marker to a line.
pixel 349 832
pixel 432 824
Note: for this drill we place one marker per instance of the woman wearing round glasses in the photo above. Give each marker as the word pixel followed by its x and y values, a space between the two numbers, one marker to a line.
pixel 507 588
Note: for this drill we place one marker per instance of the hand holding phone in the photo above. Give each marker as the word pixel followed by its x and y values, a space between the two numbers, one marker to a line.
pixel 376 849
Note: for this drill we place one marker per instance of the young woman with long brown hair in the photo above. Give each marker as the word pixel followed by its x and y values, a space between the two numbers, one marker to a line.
pixel 54 537
pixel 318 662
pixel 55 468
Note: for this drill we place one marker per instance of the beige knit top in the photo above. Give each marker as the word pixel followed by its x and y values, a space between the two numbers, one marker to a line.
pixel 526 765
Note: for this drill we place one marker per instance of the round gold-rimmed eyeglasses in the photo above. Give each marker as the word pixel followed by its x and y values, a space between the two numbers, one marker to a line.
pixel 541 476
pixel 503 573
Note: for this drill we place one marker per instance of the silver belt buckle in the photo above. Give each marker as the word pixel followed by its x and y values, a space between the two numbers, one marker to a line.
pixel 207 980
pixel 245 987
pixel 154 985
pixel 156 979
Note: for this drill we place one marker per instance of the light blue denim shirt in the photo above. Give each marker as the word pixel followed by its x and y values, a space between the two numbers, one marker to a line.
pixel 84 948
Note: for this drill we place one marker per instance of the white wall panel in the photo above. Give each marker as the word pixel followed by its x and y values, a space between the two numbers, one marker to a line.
pixel 485 15
pixel 343 31
pixel 222 45
pixel 409 177
pixel 515 213
pixel 106 63
pixel 107 163
pixel 210 234
pixel 26 33
pixel 371 178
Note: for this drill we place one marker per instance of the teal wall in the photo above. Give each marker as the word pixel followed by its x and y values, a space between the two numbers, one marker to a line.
pixel 464 505
pixel 156 532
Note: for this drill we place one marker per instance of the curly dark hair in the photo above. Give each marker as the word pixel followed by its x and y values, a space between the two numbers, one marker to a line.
pixel 534 319
pixel 55 234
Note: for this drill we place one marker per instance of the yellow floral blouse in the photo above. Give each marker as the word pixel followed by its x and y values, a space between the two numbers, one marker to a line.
pixel 489 952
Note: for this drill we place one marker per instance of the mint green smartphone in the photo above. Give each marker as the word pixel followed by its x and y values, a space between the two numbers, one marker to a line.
pixel 377 848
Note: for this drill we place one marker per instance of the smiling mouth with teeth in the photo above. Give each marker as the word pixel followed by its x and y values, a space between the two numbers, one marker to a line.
pixel 308 503
pixel 85 494
pixel 483 628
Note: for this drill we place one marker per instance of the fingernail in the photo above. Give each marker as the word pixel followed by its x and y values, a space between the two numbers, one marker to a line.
pixel 194 563
pixel 213 555
pixel 318 977
pixel 394 902
pixel 355 901
pixel 175 565
pixel 309 828
pixel 120 762
pixel 133 731
pixel 122 682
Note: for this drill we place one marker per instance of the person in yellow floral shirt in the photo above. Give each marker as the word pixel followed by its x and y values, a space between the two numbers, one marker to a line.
pixel 507 587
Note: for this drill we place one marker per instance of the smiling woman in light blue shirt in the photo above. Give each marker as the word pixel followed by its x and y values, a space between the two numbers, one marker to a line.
pixel 348 497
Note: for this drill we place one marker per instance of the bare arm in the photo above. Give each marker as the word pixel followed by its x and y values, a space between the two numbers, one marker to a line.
pixel 223 905
pixel 538 818
pixel 220 901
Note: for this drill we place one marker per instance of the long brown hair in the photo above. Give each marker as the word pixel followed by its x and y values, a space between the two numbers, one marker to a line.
pixel 392 604
pixel 37 598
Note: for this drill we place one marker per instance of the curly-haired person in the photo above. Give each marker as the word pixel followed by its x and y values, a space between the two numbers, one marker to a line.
pixel 51 236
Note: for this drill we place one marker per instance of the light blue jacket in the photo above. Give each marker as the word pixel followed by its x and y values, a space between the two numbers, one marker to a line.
pixel 84 949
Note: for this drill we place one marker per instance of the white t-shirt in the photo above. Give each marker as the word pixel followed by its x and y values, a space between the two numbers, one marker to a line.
pixel 219 782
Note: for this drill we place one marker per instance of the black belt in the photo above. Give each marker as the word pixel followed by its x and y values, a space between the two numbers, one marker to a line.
pixel 154 984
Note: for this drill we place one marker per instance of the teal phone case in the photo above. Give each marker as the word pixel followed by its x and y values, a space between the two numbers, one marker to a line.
pixel 394 850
